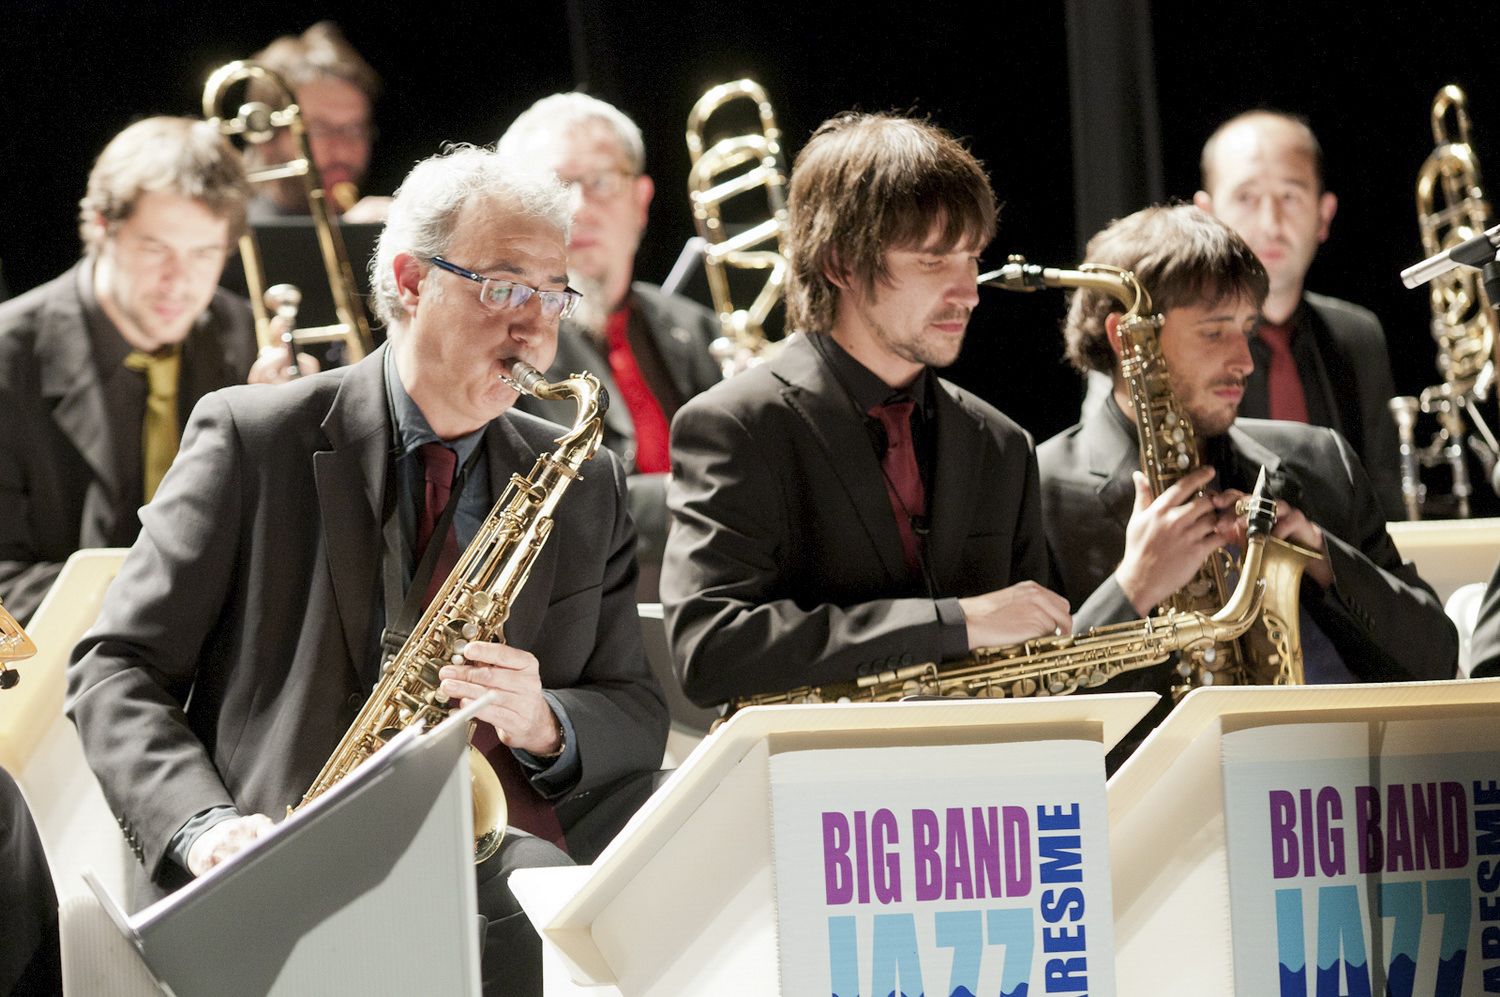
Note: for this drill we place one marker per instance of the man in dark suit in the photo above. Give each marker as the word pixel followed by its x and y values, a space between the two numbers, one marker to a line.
pixel 245 629
pixel 840 509
pixel 1318 359
pixel 1119 551
pixel 100 367
pixel 648 348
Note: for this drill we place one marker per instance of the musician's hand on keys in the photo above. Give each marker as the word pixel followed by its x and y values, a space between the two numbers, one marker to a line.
pixel 1014 614
pixel 1167 539
pixel 224 840
pixel 522 717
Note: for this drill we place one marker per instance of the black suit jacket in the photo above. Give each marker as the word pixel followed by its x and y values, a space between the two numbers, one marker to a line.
pixel 1345 365
pixel 1385 621
pixel 784 564
pixel 229 656
pixel 61 456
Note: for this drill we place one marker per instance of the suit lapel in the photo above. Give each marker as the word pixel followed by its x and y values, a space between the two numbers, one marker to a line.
pixel 676 344
pixel 1252 455
pixel 70 376
pixel 1111 452
pixel 350 478
pixel 825 407
pixel 958 451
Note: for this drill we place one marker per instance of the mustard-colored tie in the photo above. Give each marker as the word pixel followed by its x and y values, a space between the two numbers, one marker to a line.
pixel 159 433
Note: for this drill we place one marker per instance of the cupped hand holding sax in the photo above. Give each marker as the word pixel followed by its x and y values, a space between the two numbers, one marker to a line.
pixel 1013 614
pixel 1169 536
pixel 521 715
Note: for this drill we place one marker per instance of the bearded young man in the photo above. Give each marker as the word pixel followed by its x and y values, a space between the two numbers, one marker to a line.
pixel 1118 551
pixel 840 509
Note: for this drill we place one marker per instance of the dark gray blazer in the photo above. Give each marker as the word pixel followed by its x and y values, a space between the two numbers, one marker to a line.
pixel 784 563
pixel 1385 621
pixel 60 453
pixel 1348 370
pixel 230 655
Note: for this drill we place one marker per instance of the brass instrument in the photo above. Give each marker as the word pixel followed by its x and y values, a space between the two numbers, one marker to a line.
pixel 1056 666
pixel 718 176
pixel 1270 654
pixel 15 645
pixel 256 122
pixel 1451 209
pixel 474 603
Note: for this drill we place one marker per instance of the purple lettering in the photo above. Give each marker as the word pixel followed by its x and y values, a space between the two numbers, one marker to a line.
pixel 1283 834
pixel 929 869
pixel 887 866
pixel 838 873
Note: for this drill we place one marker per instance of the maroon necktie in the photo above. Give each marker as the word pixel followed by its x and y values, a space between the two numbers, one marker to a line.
pixel 438 466
pixel 903 480
pixel 528 810
pixel 1285 399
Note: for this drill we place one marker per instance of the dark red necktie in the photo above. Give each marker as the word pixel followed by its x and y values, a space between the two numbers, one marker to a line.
pixel 439 464
pixel 528 810
pixel 1285 399
pixel 903 479
pixel 652 454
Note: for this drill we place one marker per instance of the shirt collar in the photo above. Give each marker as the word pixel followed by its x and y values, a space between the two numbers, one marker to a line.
pixel 411 429
pixel 867 389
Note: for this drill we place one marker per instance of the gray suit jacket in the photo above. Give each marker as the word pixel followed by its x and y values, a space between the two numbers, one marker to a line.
pixel 784 563
pixel 1385 621
pixel 1346 372
pixel 61 456
pixel 234 649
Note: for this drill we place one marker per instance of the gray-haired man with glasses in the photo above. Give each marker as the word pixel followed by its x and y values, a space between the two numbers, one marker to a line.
pixel 290 535
pixel 649 348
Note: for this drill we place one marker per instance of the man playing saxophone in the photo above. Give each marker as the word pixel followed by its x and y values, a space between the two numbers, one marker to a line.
pixel 1119 551
pixel 246 631
pixel 840 510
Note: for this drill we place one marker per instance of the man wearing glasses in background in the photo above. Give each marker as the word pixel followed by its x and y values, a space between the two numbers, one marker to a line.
pixel 335 90
pixel 246 631
pixel 648 348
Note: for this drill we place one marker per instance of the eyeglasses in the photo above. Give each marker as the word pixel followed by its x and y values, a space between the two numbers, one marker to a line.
pixel 325 131
pixel 503 295
pixel 604 185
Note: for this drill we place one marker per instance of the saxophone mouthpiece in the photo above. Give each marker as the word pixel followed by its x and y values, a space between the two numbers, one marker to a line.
pixel 523 377
pixel 1016 275
pixel 1261 509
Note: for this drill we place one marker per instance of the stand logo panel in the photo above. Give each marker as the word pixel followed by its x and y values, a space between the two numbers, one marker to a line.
pixel 1364 859
pixel 952 871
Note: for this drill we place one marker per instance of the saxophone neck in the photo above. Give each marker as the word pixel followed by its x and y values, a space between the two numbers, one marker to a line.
pixel 1244 603
pixel 581 440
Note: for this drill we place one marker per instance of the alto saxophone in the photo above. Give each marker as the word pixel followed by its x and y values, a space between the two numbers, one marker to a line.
pixel 474 603
pixel 1056 666
pixel 1270 654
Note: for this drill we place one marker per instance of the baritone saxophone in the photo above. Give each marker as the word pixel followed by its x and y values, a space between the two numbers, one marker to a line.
pixel 1056 666
pixel 1269 654
pixel 474 603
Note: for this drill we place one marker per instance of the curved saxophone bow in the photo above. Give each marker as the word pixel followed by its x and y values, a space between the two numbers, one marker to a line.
pixel 474 603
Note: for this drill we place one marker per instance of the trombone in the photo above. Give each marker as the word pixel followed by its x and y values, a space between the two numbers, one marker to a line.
pixel 717 177
pixel 1451 210
pixel 254 123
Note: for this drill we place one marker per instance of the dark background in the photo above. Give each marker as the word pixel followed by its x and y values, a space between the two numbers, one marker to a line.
pixel 1364 73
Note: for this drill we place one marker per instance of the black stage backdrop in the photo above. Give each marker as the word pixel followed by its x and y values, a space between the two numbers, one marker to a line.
pixel 72 75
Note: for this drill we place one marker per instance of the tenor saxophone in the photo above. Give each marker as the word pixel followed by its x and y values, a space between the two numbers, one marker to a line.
pixel 1270 654
pixel 1056 666
pixel 474 603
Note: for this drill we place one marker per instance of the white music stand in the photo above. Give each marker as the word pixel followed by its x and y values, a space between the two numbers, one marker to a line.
pixel 682 901
pixel 1168 851
pixel 368 889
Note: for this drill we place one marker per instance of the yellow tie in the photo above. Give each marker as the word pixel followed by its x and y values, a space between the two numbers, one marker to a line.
pixel 159 429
